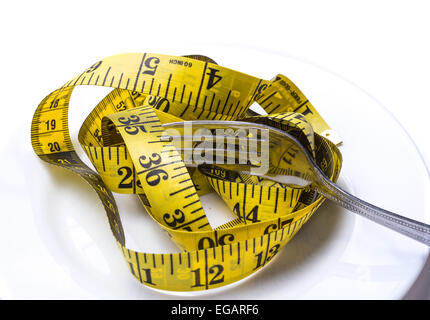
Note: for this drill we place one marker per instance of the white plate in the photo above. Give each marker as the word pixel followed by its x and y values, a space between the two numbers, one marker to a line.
pixel 56 243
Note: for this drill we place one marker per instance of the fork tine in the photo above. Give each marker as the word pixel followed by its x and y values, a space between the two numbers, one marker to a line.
pixel 198 137
pixel 216 124
pixel 220 151
pixel 206 124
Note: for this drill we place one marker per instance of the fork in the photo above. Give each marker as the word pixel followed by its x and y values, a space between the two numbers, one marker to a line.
pixel 301 172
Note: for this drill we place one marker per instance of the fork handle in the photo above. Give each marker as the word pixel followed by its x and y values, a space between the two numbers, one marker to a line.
pixel 408 227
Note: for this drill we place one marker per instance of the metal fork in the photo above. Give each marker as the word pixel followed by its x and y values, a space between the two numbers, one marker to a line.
pixel 301 172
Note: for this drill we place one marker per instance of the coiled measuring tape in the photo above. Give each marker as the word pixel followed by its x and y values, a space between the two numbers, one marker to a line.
pixel 121 137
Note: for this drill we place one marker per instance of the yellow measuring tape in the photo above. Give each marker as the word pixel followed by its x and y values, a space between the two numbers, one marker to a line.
pixel 121 137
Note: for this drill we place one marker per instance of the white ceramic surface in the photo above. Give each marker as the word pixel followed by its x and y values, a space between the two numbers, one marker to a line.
pixel 56 243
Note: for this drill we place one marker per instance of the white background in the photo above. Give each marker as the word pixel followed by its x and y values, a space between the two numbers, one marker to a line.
pixel 382 47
